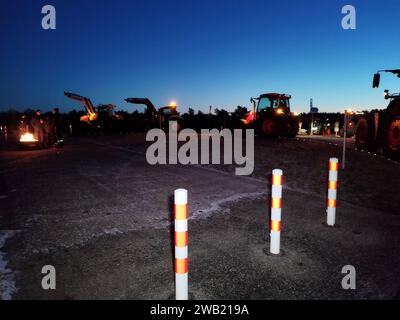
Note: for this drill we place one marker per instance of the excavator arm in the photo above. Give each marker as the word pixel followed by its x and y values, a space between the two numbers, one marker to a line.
pixel 85 102
pixel 145 101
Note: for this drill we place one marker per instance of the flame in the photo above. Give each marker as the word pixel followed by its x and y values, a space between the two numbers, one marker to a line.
pixel 27 137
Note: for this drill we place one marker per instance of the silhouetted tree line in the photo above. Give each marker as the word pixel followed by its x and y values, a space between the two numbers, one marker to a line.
pixel 133 121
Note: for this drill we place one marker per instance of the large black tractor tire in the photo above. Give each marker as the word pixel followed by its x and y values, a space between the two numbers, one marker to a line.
pixel 269 128
pixel 391 131
pixel 293 129
pixel 364 133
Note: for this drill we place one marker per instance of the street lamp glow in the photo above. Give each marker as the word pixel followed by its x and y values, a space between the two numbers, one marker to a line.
pixel 349 111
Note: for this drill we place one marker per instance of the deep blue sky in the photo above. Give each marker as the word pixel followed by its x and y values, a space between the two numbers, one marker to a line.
pixel 199 53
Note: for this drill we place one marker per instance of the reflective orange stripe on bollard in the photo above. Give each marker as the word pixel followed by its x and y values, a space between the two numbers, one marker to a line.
pixel 275 225
pixel 331 203
pixel 332 185
pixel 181 266
pixel 277 180
pixel 181 239
pixel 333 166
pixel 276 203
pixel 181 211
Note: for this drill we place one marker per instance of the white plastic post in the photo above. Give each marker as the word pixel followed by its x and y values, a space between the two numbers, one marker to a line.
pixel 332 191
pixel 276 211
pixel 181 244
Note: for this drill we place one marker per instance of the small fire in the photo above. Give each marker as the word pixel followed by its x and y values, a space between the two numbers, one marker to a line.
pixel 27 137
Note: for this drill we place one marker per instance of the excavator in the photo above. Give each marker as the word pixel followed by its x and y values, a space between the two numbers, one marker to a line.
pixel 97 119
pixel 379 130
pixel 154 118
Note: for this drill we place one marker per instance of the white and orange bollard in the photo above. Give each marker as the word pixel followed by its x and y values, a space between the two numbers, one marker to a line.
pixel 181 243
pixel 276 211
pixel 332 191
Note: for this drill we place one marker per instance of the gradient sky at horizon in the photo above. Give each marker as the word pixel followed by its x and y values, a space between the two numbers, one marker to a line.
pixel 199 53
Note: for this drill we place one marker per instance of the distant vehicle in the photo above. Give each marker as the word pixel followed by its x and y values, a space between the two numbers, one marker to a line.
pixel 380 129
pixel 101 118
pixel 271 116
pixel 158 118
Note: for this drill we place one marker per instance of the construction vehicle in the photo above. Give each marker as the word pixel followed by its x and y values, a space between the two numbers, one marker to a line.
pixel 154 118
pixel 271 116
pixel 97 119
pixel 379 130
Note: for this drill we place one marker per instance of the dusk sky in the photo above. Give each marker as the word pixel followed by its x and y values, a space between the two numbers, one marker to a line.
pixel 199 53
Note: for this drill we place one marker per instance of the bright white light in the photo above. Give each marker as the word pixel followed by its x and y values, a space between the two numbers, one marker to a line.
pixel 27 137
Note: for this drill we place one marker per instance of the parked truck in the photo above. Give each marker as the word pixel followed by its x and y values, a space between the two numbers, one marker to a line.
pixel 379 130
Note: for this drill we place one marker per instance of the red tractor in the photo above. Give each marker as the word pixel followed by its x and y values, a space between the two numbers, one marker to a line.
pixel 271 116
pixel 379 130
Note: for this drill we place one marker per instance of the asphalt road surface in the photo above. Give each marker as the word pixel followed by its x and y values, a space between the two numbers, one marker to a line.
pixel 338 141
pixel 101 216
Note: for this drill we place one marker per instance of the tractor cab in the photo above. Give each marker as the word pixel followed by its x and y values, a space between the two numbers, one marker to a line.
pixel 272 102
pixel 377 79
pixel 168 111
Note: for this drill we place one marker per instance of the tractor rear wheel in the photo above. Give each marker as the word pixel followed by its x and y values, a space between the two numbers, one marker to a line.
pixel 293 130
pixel 269 127
pixel 364 133
pixel 391 144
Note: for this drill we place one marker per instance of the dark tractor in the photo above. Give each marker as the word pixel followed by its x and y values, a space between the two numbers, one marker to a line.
pixel 271 116
pixel 379 130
